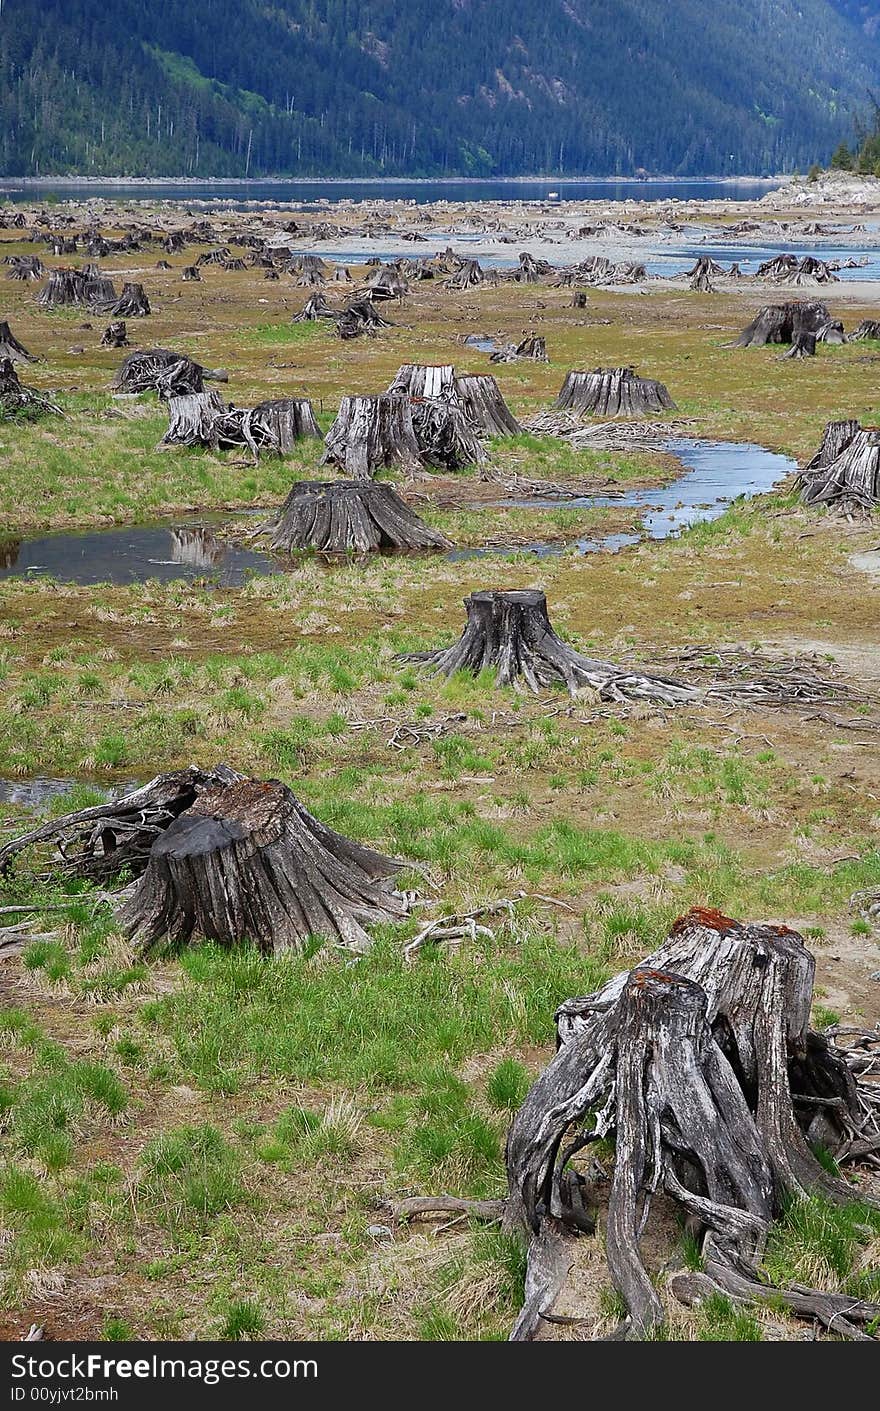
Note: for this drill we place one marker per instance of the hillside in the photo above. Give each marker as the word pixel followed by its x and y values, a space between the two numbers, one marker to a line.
pixel 432 87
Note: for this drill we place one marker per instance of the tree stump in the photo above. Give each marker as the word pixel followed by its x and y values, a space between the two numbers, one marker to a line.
pixel 11 348
pixel 613 392
pixel 700 277
pixel 132 302
pixel 370 433
pixel 314 308
pixel 191 273
pixel 868 328
pixel 700 1065
pixel 284 421
pixel 25 267
pixel 485 407
pixel 115 335
pixel 160 370
pixel 579 299
pixel 420 380
pixel 360 316
pixel 344 516
pixel 192 418
pixel 100 842
pixel 779 323
pixel 532 347
pixel 249 863
pixel 63 287
pixel 851 482
pixel 19 401
pixel 509 631
pixel 444 435
pixel 832 332
pixel 468 275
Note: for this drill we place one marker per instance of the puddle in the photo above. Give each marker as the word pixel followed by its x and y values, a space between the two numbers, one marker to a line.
pixel 35 793
pixel 716 473
pixel 482 342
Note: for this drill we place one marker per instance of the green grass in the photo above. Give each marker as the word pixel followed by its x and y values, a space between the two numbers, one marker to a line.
pixel 189 1175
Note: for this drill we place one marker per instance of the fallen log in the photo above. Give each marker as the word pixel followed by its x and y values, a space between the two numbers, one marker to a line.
pixel 344 516
pixel 613 392
pixel 509 631
pixel 247 862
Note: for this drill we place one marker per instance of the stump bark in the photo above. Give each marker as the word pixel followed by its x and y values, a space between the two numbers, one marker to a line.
pixel 192 420
pixel 613 392
pixel 344 516
pixel 509 632
pixel 370 433
pixel 835 439
pixel 249 863
pixel 700 1066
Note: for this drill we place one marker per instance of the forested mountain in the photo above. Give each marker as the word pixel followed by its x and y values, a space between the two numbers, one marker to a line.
pixel 429 87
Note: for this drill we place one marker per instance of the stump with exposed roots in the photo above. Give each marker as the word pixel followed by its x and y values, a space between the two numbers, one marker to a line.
pixel 201 419
pixel 509 632
pixel 781 323
pixel 132 302
pixel 345 516
pixel 700 277
pixel 613 392
pixel 868 329
pixel 700 1066
pixel 314 308
pixel 370 433
pixel 835 439
pixel 851 481
pixel 17 400
pixel 249 863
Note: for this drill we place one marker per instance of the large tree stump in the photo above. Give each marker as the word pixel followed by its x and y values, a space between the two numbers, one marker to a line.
pixel 468 275
pixel 163 371
pixel 485 407
pixel 700 1066
pixel 424 380
pixel 25 267
pixel 11 348
pixel 192 420
pixel 851 482
pixel 700 277
pixel 132 302
pixel 249 863
pixel 99 843
pixel 444 435
pixel 344 516
pixel 869 328
pixel 779 323
pixel 510 632
pixel 370 433
pixel 613 392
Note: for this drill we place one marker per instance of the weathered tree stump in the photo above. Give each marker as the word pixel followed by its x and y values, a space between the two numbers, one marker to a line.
pixel 344 516
pixel 360 316
pixel 11 348
pixel 444 435
pixel 779 323
pixel 869 328
pixel 163 371
pixel 485 407
pixel 424 380
pixel 370 433
pixel 19 401
pixel 532 347
pixel 100 842
pixel 468 275
pixel 249 863
pixel 832 332
pixel 700 277
pixel 132 302
pixel 613 392
pixel 25 267
pixel 192 419
pixel 314 308
pixel 190 273
pixel 115 335
pixel 687 1062
pixel 579 299
pixel 509 631
pixel 850 482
